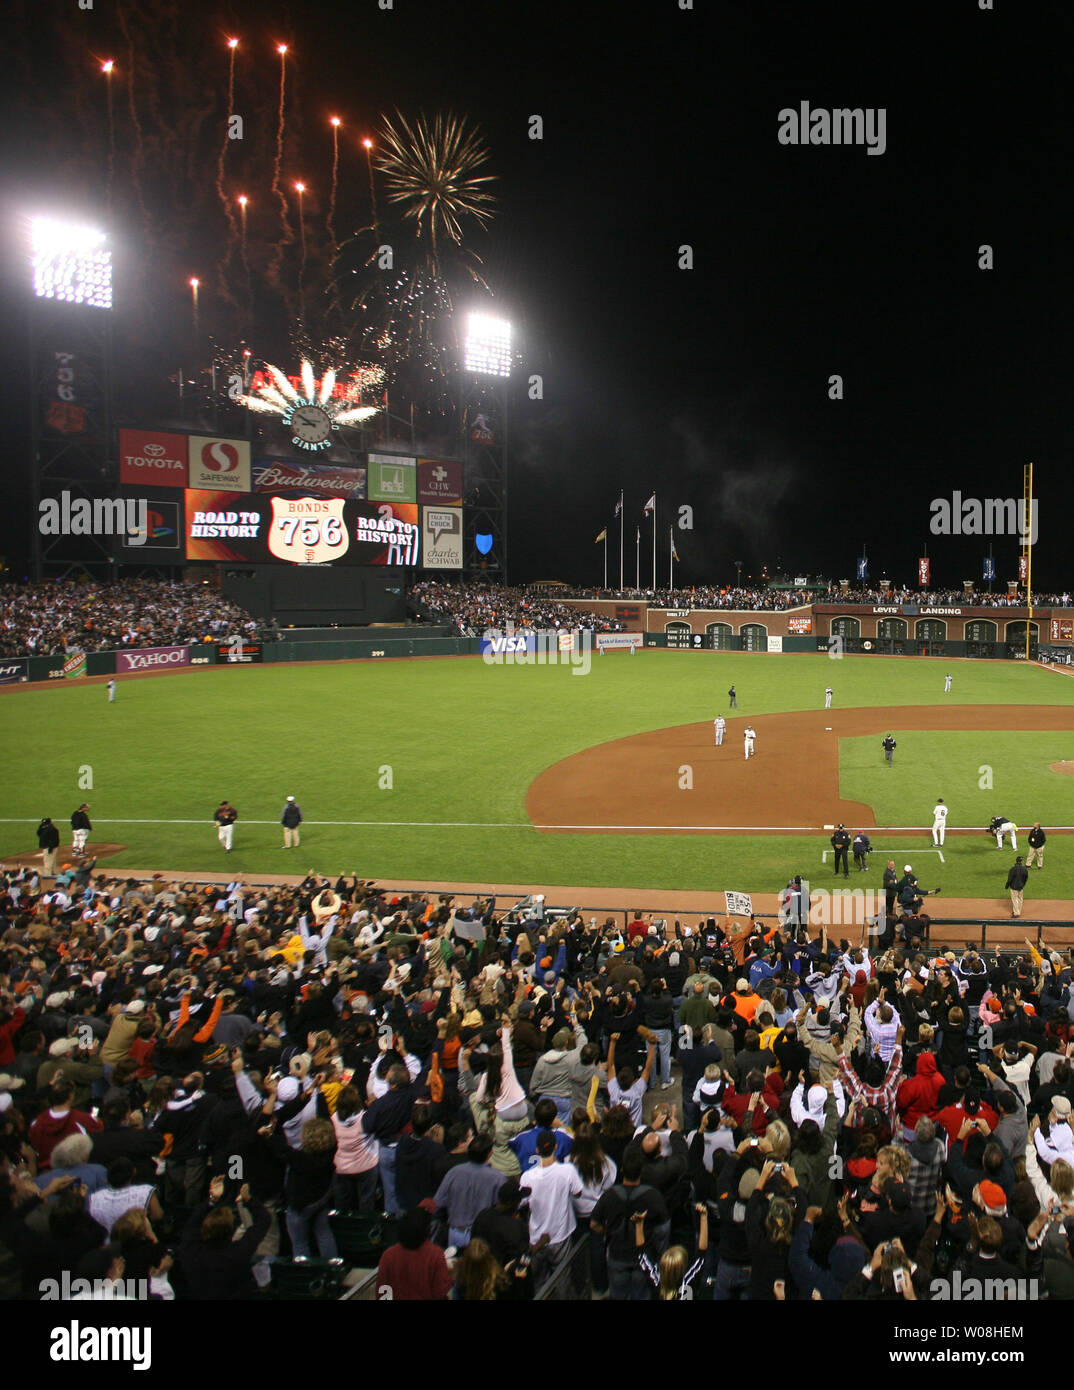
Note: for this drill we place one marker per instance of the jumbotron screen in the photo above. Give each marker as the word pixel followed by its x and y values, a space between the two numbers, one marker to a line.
pixel 261 528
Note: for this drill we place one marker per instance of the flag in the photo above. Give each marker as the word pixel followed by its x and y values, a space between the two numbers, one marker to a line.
pixel 923 569
pixel 674 552
pixel 619 505
pixel 638 536
pixel 989 571
pixel 863 567
pixel 602 537
pixel 1023 569
pixel 650 506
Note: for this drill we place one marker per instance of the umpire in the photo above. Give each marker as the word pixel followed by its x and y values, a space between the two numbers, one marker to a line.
pixel 841 843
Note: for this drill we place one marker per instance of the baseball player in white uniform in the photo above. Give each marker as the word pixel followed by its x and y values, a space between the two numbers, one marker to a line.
pixel 1002 826
pixel 111 688
pixel 748 737
pixel 719 724
pixel 828 698
pixel 939 821
pixel 947 685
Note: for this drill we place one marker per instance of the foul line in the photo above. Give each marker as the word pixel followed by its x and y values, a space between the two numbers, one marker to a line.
pixel 527 825
pixel 877 850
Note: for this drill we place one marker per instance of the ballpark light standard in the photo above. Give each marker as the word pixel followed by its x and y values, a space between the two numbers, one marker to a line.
pixel 70 374
pixel 487 355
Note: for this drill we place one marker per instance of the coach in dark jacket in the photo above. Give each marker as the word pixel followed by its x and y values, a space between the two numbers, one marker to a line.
pixel 1017 878
pixel 48 839
pixel 291 819
pixel 841 843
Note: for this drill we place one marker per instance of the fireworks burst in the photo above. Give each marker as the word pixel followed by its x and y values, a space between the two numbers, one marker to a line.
pixel 429 171
pixel 280 396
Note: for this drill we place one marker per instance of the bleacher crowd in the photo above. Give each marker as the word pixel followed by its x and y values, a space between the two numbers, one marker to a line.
pixel 471 609
pixel 208 1087
pixel 54 616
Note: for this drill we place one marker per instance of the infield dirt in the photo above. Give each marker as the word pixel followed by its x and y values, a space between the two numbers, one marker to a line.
pixel 790 783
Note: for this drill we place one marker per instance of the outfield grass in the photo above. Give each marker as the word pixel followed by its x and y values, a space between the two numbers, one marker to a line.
pixel 464 739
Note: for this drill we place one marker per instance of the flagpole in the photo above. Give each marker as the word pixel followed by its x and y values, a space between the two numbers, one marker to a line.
pixel 605 559
pixel 637 559
pixel 671 558
pixel 621 540
pixel 654 542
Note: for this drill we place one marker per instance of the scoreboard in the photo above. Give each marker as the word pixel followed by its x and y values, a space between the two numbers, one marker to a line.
pixel 260 528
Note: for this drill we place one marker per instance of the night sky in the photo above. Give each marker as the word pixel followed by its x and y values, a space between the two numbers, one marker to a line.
pixel 660 128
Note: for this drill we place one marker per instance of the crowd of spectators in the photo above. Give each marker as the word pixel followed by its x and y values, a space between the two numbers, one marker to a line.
pixel 55 616
pixel 745 599
pixel 945 598
pixel 197 1079
pixel 471 609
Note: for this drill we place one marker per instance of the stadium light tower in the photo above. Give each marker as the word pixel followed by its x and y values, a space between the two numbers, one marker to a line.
pixel 71 264
pixel 70 366
pixel 488 346
pixel 486 362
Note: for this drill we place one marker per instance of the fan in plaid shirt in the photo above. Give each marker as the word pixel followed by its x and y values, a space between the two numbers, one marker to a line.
pixel 877 1089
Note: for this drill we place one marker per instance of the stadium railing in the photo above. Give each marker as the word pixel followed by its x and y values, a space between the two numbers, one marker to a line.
pixel 570 1280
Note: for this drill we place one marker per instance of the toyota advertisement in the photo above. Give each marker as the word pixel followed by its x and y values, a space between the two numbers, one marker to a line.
pixel 149 458
pixel 256 528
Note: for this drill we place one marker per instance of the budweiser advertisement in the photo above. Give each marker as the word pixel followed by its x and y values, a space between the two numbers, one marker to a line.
pixel 308 479
pixel 149 458
pixel 153 659
pixel 218 463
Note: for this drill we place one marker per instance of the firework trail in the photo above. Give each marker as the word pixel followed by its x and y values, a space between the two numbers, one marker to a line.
pixel 138 158
pixel 278 163
pixel 300 189
pixel 229 103
pixel 367 145
pixel 107 69
pixel 243 201
pixel 335 182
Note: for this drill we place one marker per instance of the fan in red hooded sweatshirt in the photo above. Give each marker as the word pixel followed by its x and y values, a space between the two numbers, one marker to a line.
pixel 918 1095
pixel 59 1121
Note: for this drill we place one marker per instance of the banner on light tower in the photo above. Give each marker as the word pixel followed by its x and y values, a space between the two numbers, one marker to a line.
pixel 924 570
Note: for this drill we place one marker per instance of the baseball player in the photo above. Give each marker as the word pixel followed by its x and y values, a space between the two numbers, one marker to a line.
pixel 111 688
pixel 939 821
pixel 889 746
pixel 732 695
pixel 748 738
pixel 828 697
pixel 81 827
pixel 720 724
pixel 1000 826
pixel 947 685
pixel 225 819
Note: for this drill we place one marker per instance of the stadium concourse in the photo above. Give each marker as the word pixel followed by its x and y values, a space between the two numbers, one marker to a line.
pixel 228 1090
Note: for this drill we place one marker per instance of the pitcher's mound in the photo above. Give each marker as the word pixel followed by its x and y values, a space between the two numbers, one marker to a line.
pixel 1067 766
